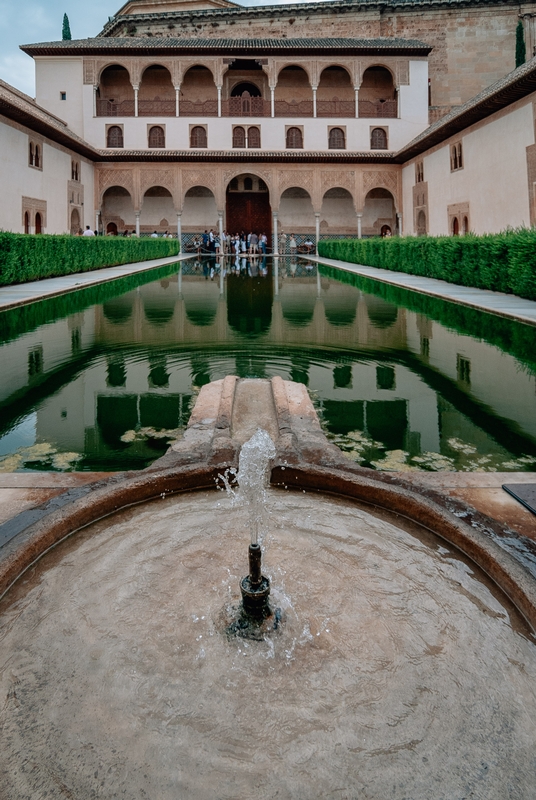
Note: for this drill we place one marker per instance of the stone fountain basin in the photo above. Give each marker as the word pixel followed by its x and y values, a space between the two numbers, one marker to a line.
pixel 401 669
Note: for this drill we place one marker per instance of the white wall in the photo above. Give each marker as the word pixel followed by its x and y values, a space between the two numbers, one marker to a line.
pixel 493 179
pixel 48 184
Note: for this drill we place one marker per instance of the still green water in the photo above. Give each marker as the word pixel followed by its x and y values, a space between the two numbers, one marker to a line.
pixel 105 378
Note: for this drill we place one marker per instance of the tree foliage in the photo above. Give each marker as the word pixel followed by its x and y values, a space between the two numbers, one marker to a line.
pixel 520 45
pixel 66 31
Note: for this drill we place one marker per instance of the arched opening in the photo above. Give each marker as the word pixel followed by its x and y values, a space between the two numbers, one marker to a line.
pixel 298 302
pixel 380 313
pixel 31 154
pixel 239 137
pixel 335 96
pixel 199 96
pixel 111 229
pixel 75 222
pixel 293 93
pixel 254 137
pixel 199 212
pixel 115 95
pixel 75 171
pixel 296 213
pixel 198 136
pixel 337 215
pixel 157 137
pixel 340 304
pixel 114 136
pixel 294 138
pixel 455 226
pixel 119 309
pixel 379 210
pixel 377 95
pixel 385 231
pixel 158 211
pixel 241 88
pixel 248 206
pixel 465 226
pixel 118 208
pixel 26 222
pixel 336 139
pixel 421 224
pixel 245 87
pixel 37 160
pixel 378 139
pixel 201 302
pixel 38 223
pixel 156 97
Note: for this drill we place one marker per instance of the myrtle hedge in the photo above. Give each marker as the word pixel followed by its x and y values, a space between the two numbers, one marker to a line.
pixel 502 262
pixel 31 258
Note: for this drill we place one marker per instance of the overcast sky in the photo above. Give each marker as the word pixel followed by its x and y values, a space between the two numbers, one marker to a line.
pixel 29 21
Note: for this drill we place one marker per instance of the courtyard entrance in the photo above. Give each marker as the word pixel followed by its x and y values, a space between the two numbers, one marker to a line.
pixel 248 206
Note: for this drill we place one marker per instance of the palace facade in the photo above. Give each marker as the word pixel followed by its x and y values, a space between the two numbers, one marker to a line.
pixel 322 119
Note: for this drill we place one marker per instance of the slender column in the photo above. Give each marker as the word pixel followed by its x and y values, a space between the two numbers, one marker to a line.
pixel 276 235
pixel 317 226
pixel 180 281
pixel 137 213
pixel 177 95
pixel 222 283
pixel 276 277
pixel 95 88
pixel 356 90
pixel 399 222
pixel 97 215
pixel 220 229
pixel 179 228
pixel 219 100
pixel 318 282
pixel 272 101
pixel 136 90
pixel 359 219
pixel 314 101
pixel 397 95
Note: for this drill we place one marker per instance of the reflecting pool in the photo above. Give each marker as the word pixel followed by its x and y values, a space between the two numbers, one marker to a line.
pixel 105 378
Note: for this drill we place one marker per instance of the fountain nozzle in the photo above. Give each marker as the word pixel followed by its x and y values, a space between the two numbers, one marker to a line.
pixel 255 587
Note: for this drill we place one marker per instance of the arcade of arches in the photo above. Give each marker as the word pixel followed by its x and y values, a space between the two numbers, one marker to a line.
pixel 313 200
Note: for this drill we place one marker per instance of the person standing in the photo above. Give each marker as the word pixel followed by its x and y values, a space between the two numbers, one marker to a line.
pixel 253 243
pixel 283 243
pixel 88 231
pixel 293 245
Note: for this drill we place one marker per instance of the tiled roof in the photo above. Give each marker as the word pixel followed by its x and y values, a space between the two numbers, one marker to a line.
pixel 514 86
pixel 174 44
pixel 273 156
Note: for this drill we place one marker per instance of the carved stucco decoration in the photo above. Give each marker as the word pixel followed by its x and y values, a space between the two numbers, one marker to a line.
pixel 101 65
pixel 402 73
pixel 200 177
pixel 291 178
pixel 342 179
pixel 281 63
pixel 89 72
pixel 164 177
pixel 184 66
pixel 241 169
pixel 351 66
pixel 34 206
pixel 116 177
pixel 379 179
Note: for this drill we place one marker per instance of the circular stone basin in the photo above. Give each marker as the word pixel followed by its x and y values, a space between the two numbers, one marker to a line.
pixel 399 672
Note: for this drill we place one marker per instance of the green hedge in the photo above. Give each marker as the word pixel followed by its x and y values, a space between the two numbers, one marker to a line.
pixel 502 262
pixel 31 258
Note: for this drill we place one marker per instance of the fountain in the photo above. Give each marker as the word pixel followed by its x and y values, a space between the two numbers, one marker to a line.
pixel 400 670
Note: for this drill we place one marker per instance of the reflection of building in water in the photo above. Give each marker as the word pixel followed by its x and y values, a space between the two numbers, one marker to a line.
pixel 131 363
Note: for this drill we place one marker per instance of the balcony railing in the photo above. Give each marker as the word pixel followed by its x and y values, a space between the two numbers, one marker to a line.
pixel 248 107
pixel 109 108
pixel 373 109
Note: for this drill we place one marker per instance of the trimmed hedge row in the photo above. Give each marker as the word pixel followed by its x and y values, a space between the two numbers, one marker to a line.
pixel 502 262
pixel 30 258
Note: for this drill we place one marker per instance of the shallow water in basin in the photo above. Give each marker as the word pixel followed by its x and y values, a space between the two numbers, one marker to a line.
pixel 399 672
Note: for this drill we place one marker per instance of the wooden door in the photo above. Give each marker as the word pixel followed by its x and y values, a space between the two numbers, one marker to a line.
pixel 249 212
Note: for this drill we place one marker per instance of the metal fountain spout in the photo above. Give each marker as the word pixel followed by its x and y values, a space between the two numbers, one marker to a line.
pixel 255 587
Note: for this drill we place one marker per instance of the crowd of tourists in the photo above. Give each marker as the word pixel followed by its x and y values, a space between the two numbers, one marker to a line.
pixel 243 243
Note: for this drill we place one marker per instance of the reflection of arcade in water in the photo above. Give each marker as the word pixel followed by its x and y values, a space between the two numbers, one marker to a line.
pixel 108 382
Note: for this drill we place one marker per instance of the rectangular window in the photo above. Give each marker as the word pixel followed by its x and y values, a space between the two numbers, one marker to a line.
pixel 463 369
pixel 63 95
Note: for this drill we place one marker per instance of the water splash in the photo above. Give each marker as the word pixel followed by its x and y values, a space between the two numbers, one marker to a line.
pixel 253 478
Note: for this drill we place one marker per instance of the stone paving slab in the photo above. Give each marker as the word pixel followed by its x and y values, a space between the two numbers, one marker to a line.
pixel 505 305
pixel 23 293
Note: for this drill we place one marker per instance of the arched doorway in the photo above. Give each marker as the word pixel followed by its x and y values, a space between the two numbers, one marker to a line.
pixel 337 215
pixel 248 205
pixel 111 229
pixel 421 224
pixel 455 226
pixel 379 211
pixel 26 222
pixel 115 95
pixel 117 207
pixel 199 212
pixel 296 213
pixel 75 222
pixel 38 223
pixel 157 211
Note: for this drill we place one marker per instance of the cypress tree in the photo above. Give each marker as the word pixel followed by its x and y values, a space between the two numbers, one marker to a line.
pixel 66 32
pixel 520 45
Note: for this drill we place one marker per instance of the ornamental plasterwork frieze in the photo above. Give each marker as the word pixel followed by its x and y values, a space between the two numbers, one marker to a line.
pixel 116 177
pixel 234 172
pixel 343 179
pixel 199 177
pixel 158 177
pixel 89 72
pixel 380 179
pixel 290 178
pixel 402 73
pixel 34 206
